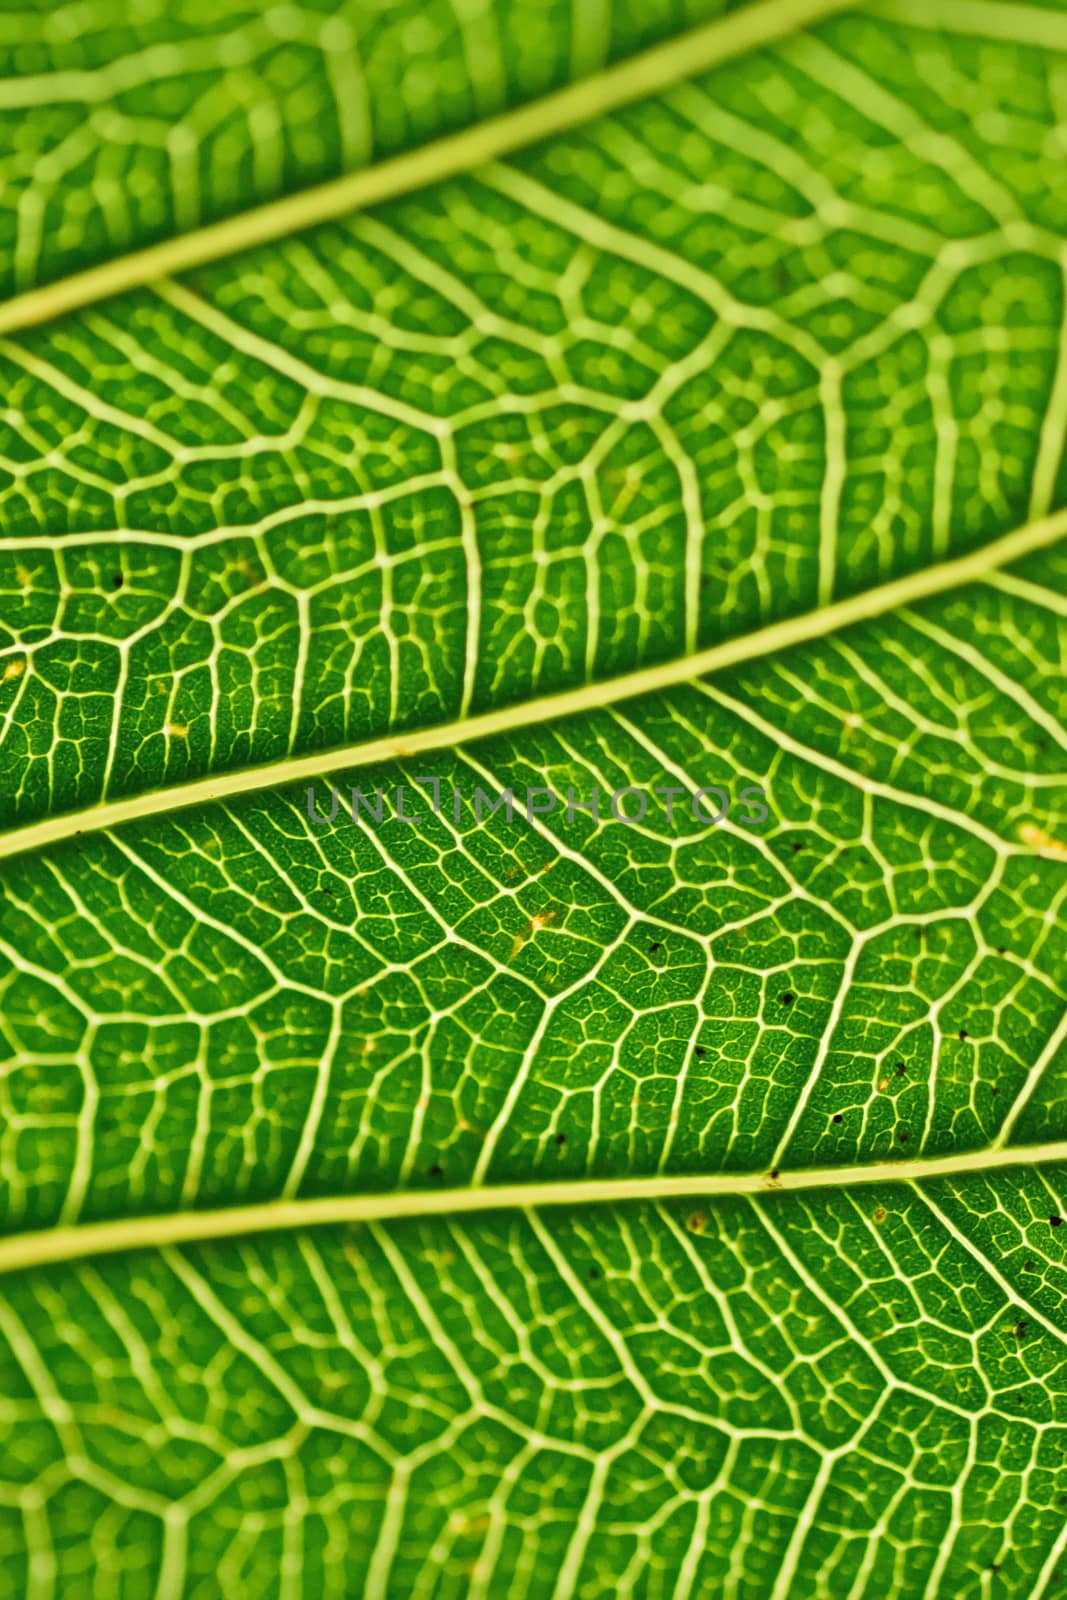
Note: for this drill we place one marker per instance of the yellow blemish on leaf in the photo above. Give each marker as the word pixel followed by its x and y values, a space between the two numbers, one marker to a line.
pixel 14 669
pixel 1038 839
pixel 543 919
pixel 252 577
pixel 879 1213
pixel 175 730
pixel 460 1522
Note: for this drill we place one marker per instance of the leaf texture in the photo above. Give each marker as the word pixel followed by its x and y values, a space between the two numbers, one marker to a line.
pixel 124 125
pixel 733 421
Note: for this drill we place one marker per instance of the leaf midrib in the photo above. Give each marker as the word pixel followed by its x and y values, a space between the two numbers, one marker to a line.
pixel 910 589
pixel 46 1246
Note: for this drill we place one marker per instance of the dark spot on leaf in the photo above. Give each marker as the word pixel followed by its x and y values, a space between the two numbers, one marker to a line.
pixel 1055 1221
pixel 963 1033
pixel 561 1138
pixel 1028 1266
pixel 905 1136
pixel 654 947
pixel 774 1172
pixel 797 846
pixel 435 1172
pixel 788 998
pixel 995 1089
pixel 594 1272
pixel 701 1051
pixel 1020 1328
pixel 837 1116
pixel 1002 949
pixel 117 581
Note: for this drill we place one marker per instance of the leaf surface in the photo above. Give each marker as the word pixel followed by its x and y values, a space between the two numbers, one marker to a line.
pixel 550 1205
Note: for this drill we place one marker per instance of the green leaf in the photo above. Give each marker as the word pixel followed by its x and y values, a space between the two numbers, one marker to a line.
pixel 545 1205
pixel 120 129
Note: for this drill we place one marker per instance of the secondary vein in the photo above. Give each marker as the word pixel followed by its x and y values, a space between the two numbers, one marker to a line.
pixel 870 603
pixel 634 79
pixel 22 1251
